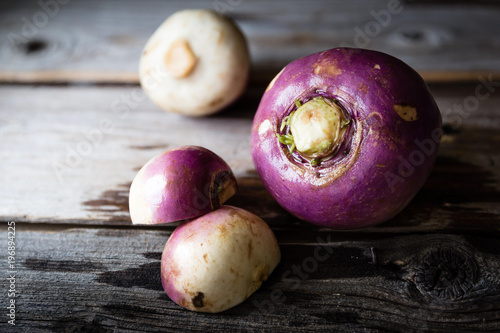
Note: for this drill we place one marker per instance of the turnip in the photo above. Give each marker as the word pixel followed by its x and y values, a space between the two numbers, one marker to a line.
pixel 218 260
pixel 196 63
pixel 180 184
pixel 346 137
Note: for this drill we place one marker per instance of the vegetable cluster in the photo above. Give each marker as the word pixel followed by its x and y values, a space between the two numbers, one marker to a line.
pixel 332 139
pixel 222 254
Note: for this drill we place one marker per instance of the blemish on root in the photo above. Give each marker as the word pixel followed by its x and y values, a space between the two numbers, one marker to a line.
pixel 250 249
pixel 406 112
pixel 198 300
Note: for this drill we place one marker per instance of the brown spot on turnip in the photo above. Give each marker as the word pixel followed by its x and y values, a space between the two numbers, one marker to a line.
pixel 222 36
pixel 326 68
pixel 205 257
pixel 223 230
pixel 252 230
pixel 232 213
pixel 250 249
pixel 375 118
pixel 198 300
pixel 260 274
pixel 363 87
pixel 173 275
pixel 406 112
pixel 215 102
pixel 184 303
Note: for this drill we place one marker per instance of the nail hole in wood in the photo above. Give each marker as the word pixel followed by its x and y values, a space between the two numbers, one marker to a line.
pixel 413 35
pixel 33 46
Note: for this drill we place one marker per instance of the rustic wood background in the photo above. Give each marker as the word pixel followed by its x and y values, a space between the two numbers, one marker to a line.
pixel 75 127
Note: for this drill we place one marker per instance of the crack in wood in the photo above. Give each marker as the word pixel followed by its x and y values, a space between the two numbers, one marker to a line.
pixel 111 202
pixel 66 266
pixel 145 276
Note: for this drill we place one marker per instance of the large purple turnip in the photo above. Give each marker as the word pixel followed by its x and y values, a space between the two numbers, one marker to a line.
pixel 346 137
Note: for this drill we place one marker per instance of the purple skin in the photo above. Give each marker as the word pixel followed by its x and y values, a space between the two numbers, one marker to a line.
pixel 180 184
pixel 380 164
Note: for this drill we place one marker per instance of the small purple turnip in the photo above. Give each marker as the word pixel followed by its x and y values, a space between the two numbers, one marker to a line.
pixel 180 184
pixel 346 137
pixel 218 260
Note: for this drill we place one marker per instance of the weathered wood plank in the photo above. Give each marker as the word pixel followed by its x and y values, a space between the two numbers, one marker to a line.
pixel 102 41
pixel 70 153
pixel 109 280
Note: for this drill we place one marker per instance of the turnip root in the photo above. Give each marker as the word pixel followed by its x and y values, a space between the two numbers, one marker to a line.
pixel 345 138
pixel 218 260
pixel 180 184
pixel 196 63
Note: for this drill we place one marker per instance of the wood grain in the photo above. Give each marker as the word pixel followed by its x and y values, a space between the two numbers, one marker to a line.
pixel 95 41
pixel 75 127
pixel 109 280
pixel 62 163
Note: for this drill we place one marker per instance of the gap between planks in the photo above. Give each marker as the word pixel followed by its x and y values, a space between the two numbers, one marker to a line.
pixel 101 77
pixel 309 233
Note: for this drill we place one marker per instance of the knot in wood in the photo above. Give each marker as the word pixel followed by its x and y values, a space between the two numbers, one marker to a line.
pixel 33 46
pixel 446 274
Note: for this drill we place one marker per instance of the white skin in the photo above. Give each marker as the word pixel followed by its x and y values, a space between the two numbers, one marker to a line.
pixel 140 211
pixel 218 260
pixel 196 63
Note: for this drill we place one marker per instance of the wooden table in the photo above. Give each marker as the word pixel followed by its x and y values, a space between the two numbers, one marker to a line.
pixel 75 128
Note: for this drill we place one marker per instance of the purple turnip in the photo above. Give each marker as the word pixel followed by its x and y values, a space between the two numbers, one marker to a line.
pixel 218 260
pixel 346 137
pixel 180 184
pixel 196 63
